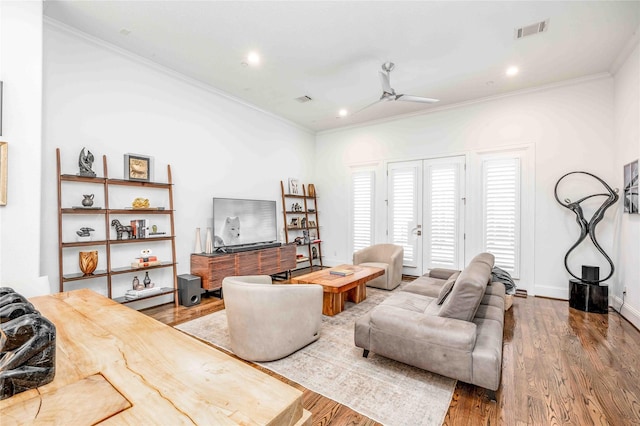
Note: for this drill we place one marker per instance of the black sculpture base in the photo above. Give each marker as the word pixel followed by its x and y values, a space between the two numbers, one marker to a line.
pixel 27 345
pixel 588 297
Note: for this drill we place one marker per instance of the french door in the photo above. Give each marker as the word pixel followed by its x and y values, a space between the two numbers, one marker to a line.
pixel 426 212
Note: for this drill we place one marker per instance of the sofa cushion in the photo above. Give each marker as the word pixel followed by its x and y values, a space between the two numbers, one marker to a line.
pixel 446 288
pixel 409 302
pixel 425 286
pixel 466 295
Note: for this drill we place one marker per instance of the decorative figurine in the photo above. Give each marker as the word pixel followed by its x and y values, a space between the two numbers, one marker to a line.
pixel 120 229
pixel 590 226
pixel 28 358
pixel 85 232
pixel 88 200
pixel 314 252
pixel 85 161
pixel 140 203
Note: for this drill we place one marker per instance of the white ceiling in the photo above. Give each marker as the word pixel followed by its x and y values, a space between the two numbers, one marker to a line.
pixel 332 51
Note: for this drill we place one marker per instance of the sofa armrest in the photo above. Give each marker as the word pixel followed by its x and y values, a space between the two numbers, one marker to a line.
pixel 441 273
pixel 411 325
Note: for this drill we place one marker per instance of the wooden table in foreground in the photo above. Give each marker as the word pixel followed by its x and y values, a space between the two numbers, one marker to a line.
pixel 337 289
pixel 115 365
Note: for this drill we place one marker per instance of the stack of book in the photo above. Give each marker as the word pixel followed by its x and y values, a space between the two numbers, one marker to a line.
pixel 145 262
pixel 140 228
pixel 341 272
pixel 137 294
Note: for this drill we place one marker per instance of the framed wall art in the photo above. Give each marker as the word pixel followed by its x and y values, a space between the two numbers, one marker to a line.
pixel 631 188
pixel 138 167
pixel 294 186
pixel 4 163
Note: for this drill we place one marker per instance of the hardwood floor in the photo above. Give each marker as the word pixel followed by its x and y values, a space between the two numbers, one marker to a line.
pixel 560 366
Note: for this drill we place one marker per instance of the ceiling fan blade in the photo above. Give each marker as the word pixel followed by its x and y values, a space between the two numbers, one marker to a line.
pixel 384 79
pixel 410 98
pixel 371 104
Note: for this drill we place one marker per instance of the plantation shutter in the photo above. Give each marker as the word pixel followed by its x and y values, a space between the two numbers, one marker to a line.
pixel 403 217
pixel 501 212
pixel 444 242
pixel 362 185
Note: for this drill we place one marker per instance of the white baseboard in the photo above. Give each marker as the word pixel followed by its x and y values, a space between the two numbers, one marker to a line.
pixel 551 292
pixel 628 312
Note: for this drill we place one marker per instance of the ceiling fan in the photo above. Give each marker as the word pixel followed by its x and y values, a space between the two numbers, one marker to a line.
pixel 388 94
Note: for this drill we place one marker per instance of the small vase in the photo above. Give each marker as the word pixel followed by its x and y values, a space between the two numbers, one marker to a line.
pixel 209 242
pixel 147 280
pixel 88 200
pixel 198 248
pixel 88 261
pixel 136 284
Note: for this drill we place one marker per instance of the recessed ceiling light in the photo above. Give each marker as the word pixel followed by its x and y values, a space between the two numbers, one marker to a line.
pixel 253 58
pixel 511 71
pixel 343 112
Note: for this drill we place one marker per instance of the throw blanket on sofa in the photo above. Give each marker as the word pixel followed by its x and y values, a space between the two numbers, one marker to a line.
pixel 503 276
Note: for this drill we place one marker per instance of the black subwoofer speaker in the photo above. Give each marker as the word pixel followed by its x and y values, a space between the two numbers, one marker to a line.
pixel 189 289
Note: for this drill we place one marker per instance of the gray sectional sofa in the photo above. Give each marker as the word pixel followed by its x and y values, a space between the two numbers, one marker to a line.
pixel 448 322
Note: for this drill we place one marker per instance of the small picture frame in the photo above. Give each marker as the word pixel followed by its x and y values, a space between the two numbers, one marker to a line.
pixel 138 167
pixel 4 163
pixel 294 186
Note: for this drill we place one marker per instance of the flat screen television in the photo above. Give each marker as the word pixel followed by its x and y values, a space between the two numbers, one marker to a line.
pixel 239 222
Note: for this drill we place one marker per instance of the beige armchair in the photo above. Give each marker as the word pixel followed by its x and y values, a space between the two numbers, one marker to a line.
pixel 270 321
pixel 386 256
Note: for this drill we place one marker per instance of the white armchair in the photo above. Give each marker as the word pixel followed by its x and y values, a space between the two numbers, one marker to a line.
pixel 270 321
pixel 386 256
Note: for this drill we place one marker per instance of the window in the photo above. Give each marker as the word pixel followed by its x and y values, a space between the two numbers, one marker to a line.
pixel 501 212
pixel 362 219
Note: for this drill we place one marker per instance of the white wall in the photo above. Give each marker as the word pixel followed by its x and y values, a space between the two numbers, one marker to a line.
pixel 627 145
pixel 570 128
pixel 114 103
pixel 21 72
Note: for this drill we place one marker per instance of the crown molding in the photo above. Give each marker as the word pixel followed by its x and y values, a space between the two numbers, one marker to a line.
pixel 543 88
pixel 60 26
pixel 625 52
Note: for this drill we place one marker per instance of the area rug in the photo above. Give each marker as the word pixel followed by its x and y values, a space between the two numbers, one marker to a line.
pixel 384 390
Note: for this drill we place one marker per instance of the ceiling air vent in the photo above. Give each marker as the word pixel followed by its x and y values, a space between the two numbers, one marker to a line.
pixel 303 99
pixel 532 29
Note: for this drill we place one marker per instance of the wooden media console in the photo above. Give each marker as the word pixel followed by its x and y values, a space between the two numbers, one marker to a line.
pixel 213 268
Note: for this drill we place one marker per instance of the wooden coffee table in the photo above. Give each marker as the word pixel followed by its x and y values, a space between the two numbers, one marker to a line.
pixel 337 289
